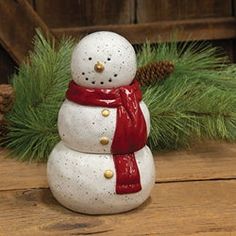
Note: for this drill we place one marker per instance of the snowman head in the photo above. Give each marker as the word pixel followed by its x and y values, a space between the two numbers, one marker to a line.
pixel 103 60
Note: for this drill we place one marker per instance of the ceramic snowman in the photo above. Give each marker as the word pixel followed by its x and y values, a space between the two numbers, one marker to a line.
pixel 102 165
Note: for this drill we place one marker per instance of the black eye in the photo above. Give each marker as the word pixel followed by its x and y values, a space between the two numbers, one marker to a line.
pixel 83 73
pixel 86 78
pixel 101 82
pixel 90 58
pixel 108 58
pixel 115 75
pixel 110 80
pixel 93 82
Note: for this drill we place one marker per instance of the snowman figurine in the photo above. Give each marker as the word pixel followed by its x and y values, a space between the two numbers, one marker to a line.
pixel 102 164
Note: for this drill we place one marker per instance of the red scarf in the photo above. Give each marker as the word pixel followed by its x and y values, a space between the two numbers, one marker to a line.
pixel 130 134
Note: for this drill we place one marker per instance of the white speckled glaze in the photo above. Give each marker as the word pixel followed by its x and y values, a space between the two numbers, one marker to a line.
pixel 81 127
pixel 77 164
pixel 77 181
pixel 113 51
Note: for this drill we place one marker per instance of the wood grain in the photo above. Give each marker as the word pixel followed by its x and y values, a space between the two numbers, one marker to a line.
pixel 17 27
pixel 159 10
pixel 75 13
pixel 18 175
pixel 197 29
pixel 31 2
pixel 202 162
pixel 195 208
pixel 195 196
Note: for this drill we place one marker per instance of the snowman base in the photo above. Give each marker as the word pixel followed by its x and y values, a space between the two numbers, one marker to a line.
pixel 77 181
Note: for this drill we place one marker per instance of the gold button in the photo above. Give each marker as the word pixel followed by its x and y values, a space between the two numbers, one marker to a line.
pixel 105 112
pixel 108 174
pixel 104 140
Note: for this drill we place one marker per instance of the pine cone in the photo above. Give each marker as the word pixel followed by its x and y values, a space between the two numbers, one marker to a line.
pixel 7 97
pixel 6 90
pixel 156 71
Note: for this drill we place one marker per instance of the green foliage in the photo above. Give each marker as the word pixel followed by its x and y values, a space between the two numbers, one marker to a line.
pixel 40 87
pixel 196 102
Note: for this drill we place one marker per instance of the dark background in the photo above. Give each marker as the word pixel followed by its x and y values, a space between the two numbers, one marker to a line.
pixel 138 20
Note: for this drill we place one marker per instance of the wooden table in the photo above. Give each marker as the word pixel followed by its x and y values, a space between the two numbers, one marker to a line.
pixel 195 194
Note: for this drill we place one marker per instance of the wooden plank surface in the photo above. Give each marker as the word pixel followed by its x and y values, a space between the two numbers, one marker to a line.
pixel 21 175
pixel 192 208
pixel 203 162
pixel 17 27
pixel 197 29
pixel 159 10
pixel 195 195
pixel 74 13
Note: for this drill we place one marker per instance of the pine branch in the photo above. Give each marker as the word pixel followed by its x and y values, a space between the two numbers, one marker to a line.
pixel 196 101
pixel 40 86
pixel 189 111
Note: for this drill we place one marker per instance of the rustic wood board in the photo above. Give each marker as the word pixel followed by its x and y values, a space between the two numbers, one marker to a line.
pixel 194 29
pixel 187 208
pixel 195 195
pixel 74 13
pixel 159 10
pixel 20 175
pixel 202 162
pixel 17 28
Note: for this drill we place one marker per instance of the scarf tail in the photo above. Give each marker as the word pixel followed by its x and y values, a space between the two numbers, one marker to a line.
pixel 130 136
pixel 127 174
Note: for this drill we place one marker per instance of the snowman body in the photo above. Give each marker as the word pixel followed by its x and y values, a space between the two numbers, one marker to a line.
pixel 78 164
pixel 77 181
pixel 82 127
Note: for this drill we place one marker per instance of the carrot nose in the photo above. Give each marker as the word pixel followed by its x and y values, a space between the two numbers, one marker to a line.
pixel 99 67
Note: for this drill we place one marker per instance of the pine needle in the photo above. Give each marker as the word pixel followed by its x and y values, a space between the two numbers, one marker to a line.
pixel 197 101
pixel 40 88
